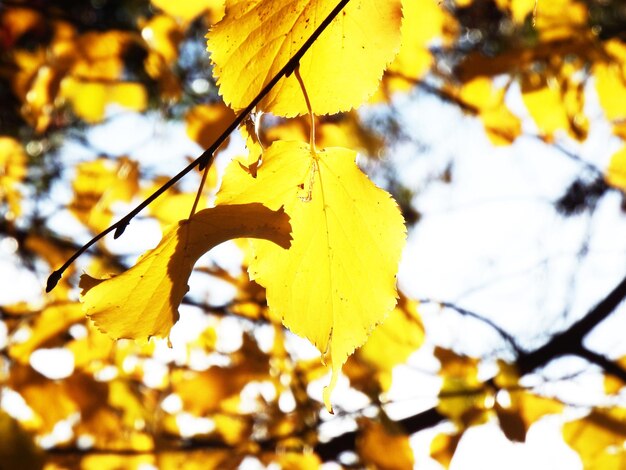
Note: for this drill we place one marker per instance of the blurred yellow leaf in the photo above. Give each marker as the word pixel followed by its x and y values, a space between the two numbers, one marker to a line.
pixel 89 99
pixel 217 388
pixel 599 438
pixel 206 122
pixel 143 301
pixel 612 384
pixel 555 103
pixel 257 38
pixel 294 460
pixel 12 172
pixel 100 183
pixel 392 342
pixel 116 461
pixel 616 172
pixel 463 397
pixel 519 9
pixel 560 19
pixel 344 130
pixel 163 34
pixel 425 22
pixel 610 79
pixel 52 321
pixel 443 446
pixel 17 449
pixel 337 281
pixel 188 10
pixel 234 430
pixel 501 125
pixel 383 449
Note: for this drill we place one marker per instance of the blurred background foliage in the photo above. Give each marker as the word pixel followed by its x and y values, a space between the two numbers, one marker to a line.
pixel 236 387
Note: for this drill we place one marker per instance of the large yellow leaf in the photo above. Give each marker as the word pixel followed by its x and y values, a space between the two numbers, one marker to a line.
pixel 337 281
pixel 341 70
pixel 143 301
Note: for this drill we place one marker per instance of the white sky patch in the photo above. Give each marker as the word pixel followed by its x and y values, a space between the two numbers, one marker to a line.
pixel 56 363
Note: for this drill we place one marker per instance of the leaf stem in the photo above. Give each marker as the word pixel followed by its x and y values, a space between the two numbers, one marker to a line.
pixel 199 192
pixel 309 107
pixel 208 155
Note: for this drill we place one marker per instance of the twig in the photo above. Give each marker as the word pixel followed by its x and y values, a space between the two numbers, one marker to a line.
pixel 463 311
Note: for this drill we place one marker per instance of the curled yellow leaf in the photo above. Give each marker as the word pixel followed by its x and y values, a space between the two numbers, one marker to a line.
pixel 143 301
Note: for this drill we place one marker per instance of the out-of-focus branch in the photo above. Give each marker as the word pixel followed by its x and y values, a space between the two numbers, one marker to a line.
pixel 570 340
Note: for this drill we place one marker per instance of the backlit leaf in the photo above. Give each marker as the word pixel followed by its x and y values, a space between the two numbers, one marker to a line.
pixel 187 10
pixel 52 321
pixel 205 123
pixel 257 38
pixel 143 301
pixel 501 125
pixel 90 99
pixel 17 449
pixel 391 343
pixel 443 446
pixel 337 281
pixel 463 397
pixel 616 172
pixel 12 172
pixel 384 449
pixel 599 438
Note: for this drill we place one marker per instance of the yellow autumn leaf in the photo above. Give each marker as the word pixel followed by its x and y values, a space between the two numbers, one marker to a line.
pixel 616 172
pixel 12 172
pixel 519 9
pixel 560 19
pixel 90 99
pixel 17 449
pixel 100 183
pixel 383 449
pixel 290 460
pixel 163 34
pixel 255 39
pixel 425 21
pixel 344 130
pixel 392 343
pixel 610 80
pixel 612 384
pixel 443 446
pixel 52 321
pixel 206 122
pixel 143 301
pixel 599 438
pixel 187 10
pixel 501 125
pixel 463 398
pixel 337 281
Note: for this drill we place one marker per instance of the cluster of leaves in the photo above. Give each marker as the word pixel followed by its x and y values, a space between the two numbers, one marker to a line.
pixel 326 241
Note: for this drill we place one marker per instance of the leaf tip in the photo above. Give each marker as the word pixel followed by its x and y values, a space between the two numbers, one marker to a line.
pixel 328 390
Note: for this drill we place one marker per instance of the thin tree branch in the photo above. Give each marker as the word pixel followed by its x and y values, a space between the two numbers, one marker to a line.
pixel 207 156
pixel 463 311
